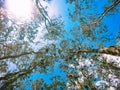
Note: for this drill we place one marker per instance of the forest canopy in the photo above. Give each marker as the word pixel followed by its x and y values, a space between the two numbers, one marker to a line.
pixel 76 50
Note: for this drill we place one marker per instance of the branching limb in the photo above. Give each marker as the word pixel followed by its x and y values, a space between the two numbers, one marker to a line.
pixel 106 11
pixel 19 55
pixel 43 12
pixel 12 78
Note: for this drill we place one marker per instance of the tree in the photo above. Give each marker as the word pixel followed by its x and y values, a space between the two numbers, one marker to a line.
pixel 16 42
pixel 91 47
pixel 80 57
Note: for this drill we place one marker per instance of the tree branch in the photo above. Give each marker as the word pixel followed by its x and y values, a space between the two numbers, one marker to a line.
pixel 43 12
pixel 106 11
pixel 19 55
pixel 9 75
pixel 12 80
pixel 112 50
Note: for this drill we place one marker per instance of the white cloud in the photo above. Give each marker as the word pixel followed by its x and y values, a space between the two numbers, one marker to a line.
pixel 53 7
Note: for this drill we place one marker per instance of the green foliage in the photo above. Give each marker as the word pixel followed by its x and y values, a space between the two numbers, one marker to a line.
pixel 55 29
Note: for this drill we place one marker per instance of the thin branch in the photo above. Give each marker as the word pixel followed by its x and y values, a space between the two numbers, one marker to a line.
pixel 15 56
pixel 19 55
pixel 46 19
pixel 43 11
pixel 106 11
pixel 9 75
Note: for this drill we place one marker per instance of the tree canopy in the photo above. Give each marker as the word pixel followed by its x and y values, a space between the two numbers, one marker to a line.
pixel 87 55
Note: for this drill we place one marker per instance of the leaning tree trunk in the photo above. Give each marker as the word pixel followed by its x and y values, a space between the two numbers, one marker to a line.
pixel 113 50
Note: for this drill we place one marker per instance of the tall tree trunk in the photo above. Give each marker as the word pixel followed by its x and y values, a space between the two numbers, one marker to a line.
pixel 113 50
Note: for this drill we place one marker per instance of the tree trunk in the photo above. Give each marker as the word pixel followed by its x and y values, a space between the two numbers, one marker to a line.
pixel 113 50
